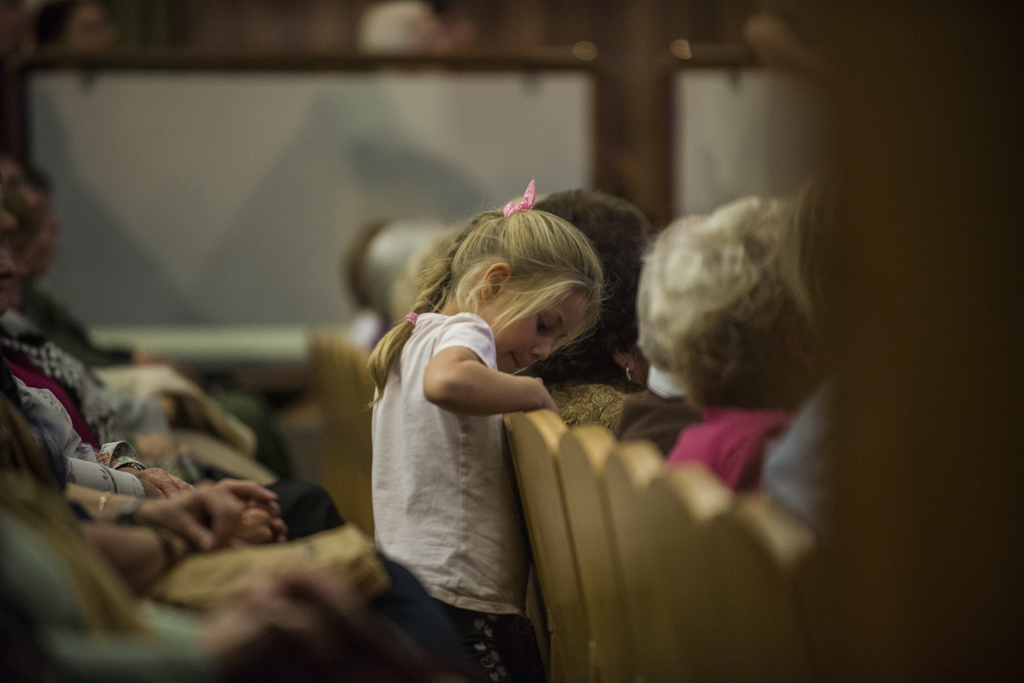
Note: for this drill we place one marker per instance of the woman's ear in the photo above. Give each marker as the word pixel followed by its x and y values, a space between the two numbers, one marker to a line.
pixel 493 280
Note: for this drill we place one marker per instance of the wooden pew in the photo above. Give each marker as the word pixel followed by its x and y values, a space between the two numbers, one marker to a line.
pixel 581 464
pixel 533 439
pixel 759 549
pixel 710 578
pixel 628 471
pixel 345 390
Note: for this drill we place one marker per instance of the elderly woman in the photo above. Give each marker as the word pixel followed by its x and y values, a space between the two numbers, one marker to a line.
pixel 740 343
pixel 590 379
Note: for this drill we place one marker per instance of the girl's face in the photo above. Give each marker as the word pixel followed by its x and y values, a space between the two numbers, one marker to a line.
pixel 530 339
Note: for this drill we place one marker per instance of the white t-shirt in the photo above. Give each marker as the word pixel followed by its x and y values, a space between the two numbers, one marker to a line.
pixel 444 502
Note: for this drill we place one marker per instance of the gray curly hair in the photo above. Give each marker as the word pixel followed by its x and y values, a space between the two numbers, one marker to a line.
pixel 714 304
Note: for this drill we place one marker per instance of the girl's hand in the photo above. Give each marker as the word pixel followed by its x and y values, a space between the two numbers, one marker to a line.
pixel 543 396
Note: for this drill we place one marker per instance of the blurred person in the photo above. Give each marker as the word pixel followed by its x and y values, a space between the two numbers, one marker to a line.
pixel 382 264
pixel 98 423
pixel 740 345
pixel 158 533
pixel 79 621
pixel 80 25
pixel 413 27
pixel 660 412
pixel 58 324
pixel 590 378
pixel 15 26
pixel 795 471
pixel 307 508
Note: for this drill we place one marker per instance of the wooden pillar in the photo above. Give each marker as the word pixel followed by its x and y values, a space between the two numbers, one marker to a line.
pixel 924 580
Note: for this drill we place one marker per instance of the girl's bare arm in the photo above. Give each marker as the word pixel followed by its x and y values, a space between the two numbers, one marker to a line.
pixel 457 380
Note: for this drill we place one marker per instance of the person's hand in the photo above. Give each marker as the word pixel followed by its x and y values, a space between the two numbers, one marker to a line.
pixel 298 618
pixel 253 494
pixel 259 527
pixel 544 400
pixel 210 517
pixel 263 512
pixel 156 447
pixel 143 357
pixel 309 626
pixel 159 483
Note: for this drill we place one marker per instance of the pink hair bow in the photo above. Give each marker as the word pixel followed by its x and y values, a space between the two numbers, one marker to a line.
pixel 528 198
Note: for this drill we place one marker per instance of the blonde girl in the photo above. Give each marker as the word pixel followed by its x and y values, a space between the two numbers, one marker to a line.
pixel 512 286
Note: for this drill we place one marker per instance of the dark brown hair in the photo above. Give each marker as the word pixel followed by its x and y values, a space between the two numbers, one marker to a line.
pixel 619 232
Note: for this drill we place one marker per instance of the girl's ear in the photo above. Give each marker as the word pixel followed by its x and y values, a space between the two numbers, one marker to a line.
pixel 493 280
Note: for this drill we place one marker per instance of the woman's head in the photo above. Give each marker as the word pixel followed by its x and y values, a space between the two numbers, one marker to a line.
pixel 546 261
pixel 18 226
pixel 657 264
pixel 77 24
pixel 20 201
pixel 619 232
pixel 725 312
pixel 805 249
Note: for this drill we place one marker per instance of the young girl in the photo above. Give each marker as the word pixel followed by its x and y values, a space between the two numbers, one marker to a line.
pixel 512 287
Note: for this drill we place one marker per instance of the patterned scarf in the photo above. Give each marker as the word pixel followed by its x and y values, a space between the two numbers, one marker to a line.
pixel 81 385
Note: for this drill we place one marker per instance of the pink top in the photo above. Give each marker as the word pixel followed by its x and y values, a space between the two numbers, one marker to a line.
pixel 732 443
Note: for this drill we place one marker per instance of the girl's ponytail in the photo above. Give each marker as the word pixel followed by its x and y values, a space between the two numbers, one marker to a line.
pixel 434 285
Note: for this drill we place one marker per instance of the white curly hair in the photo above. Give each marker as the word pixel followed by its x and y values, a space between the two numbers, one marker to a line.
pixel 714 304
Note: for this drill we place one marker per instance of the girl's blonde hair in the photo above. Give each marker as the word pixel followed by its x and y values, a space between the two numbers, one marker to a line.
pixel 547 257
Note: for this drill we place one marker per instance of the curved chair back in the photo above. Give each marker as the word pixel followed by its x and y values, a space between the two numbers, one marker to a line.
pixel 581 463
pixel 533 439
pixel 760 547
pixel 345 390
pixel 628 472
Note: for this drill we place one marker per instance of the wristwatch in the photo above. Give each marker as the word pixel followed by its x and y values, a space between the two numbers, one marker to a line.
pixel 134 465
pixel 126 515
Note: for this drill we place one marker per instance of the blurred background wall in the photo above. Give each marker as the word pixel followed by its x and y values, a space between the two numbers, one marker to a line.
pixel 632 38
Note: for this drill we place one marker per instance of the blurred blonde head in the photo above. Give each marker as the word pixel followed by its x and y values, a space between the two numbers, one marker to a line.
pixel 805 254
pixel 397 26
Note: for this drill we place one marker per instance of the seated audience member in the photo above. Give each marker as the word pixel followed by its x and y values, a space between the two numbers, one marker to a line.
pixel 56 323
pixel 76 619
pixel 98 415
pixel 82 416
pixel 659 412
pixel 590 378
pixel 80 25
pixel 414 27
pixel 382 263
pixel 15 26
pixel 405 604
pixel 795 470
pixel 740 344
